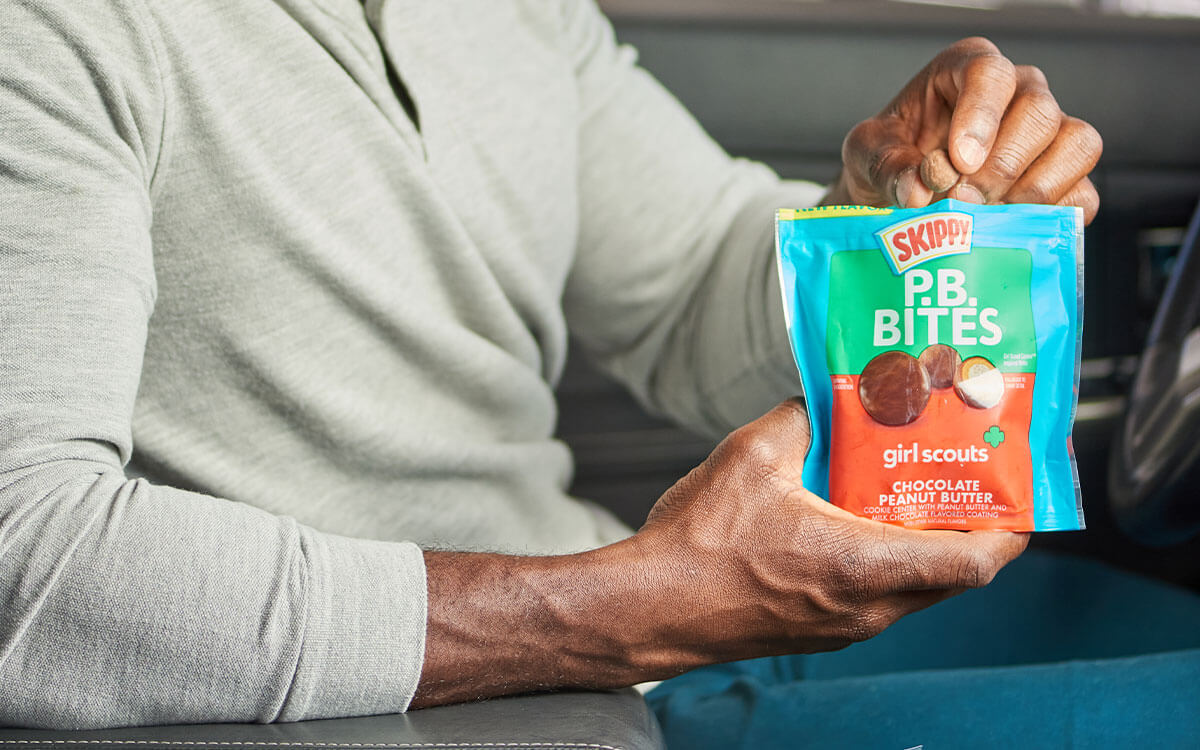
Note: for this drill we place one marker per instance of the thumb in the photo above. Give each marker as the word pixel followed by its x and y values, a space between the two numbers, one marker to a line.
pixel 952 559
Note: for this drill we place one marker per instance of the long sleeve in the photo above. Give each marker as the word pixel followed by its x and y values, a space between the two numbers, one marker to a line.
pixel 674 291
pixel 123 602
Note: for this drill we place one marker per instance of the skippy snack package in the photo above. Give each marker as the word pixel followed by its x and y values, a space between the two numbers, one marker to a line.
pixel 939 352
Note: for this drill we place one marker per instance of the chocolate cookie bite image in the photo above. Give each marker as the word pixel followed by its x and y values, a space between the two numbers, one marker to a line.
pixel 894 388
pixel 941 362
pixel 979 383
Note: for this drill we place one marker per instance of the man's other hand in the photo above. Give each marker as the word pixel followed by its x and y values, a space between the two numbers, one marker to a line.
pixel 736 561
pixel 754 564
pixel 1006 138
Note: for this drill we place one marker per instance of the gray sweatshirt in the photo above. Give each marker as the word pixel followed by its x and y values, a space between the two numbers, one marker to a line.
pixel 262 339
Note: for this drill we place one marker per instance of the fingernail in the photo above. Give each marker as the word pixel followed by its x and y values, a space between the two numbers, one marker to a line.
pixel 972 152
pixel 968 193
pixel 904 187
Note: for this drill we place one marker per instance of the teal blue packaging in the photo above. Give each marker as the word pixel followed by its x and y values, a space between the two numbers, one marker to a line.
pixel 939 352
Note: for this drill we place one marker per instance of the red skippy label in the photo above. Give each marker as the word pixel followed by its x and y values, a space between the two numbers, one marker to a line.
pixel 927 237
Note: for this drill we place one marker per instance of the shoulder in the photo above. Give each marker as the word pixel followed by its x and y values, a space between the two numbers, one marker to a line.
pixel 109 36
pixel 80 73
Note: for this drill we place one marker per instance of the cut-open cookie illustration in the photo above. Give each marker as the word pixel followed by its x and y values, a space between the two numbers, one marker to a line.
pixel 978 383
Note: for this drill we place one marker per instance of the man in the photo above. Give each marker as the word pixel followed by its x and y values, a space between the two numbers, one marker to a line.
pixel 319 258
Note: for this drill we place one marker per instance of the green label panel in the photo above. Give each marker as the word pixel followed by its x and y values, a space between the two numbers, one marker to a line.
pixel 979 303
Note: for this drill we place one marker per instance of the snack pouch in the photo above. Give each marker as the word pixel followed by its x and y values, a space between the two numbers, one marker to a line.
pixel 939 352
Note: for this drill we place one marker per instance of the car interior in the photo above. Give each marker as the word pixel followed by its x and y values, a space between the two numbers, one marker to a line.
pixel 781 81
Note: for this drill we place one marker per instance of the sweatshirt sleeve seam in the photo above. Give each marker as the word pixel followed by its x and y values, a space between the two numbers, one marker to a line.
pixel 154 43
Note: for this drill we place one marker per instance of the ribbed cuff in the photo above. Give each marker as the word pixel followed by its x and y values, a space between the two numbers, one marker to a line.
pixel 364 641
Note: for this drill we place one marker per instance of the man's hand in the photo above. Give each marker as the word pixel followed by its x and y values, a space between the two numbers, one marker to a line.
pixel 762 566
pixel 1007 139
pixel 736 561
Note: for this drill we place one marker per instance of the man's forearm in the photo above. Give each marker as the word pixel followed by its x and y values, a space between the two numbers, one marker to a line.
pixel 630 612
pixel 735 561
pixel 501 624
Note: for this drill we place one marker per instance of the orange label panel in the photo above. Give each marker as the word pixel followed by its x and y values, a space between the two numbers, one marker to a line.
pixel 953 467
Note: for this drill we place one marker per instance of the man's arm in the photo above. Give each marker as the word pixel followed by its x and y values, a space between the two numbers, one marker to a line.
pixel 673 292
pixel 123 602
pixel 736 561
pixel 674 289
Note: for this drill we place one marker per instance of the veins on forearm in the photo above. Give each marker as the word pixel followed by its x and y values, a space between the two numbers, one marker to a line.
pixel 500 624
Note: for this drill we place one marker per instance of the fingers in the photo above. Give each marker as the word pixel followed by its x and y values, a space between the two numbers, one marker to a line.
pixel 1083 195
pixel 1039 155
pixel 876 573
pixel 883 163
pixel 937 172
pixel 932 572
pixel 978 83
pixel 1029 126
pixel 1004 137
pixel 908 560
pixel 971 560
pixel 1059 169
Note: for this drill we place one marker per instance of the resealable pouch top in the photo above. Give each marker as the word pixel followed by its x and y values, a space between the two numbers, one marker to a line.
pixel 939 352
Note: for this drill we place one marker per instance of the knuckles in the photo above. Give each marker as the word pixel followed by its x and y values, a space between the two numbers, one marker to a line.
pixel 995 66
pixel 861 147
pixel 989 68
pixel 1042 113
pixel 1077 149
pixel 857 138
pixel 1007 165
pixel 1084 137
pixel 1041 189
pixel 751 446
pixel 771 442
pixel 972 46
pixel 1031 76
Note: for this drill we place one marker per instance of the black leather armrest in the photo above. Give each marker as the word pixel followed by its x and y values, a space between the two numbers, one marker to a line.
pixel 616 720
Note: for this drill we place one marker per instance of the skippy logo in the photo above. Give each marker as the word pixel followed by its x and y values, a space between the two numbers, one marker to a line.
pixel 923 238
